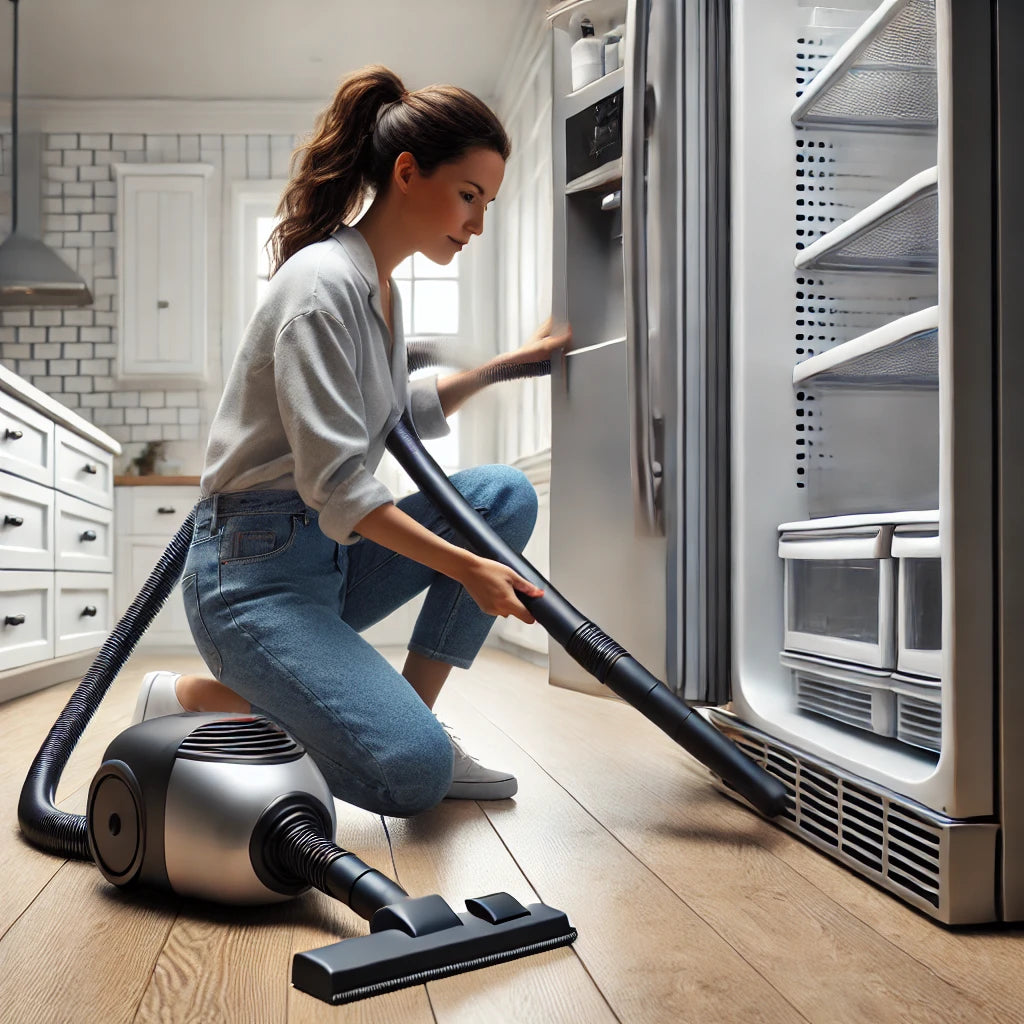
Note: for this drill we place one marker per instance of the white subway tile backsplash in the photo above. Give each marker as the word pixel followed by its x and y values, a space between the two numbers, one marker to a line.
pixel 81 385
pixel 125 399
pixel 77 157
pixel 63 367
pixel 49 350
pixel 62 334
pixel 92 174
pixel 128 142
pixel 153 399
pixel 135 417
pixel 62 142
pixel 63 222
pixel 96 401
pixel 94 141
pixel 78 189
pixel 78 350
pixel 45 317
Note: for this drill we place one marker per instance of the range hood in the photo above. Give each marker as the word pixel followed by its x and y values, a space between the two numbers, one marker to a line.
pixel 32 275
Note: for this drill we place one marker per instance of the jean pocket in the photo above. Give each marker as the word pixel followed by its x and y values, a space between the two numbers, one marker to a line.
pixel 256 538
pixel 200 634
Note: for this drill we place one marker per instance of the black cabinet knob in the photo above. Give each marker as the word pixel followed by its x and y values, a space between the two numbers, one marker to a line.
pixel 14 620
pixel 88 535
pixel 13 435
pixel 90 468
pixel 89 611
pixel 13 521
pixel 165 510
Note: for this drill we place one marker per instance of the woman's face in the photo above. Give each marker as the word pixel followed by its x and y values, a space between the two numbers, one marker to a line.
pixel 443 211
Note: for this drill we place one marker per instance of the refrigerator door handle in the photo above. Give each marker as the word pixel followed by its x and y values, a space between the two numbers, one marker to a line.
pixel 644 471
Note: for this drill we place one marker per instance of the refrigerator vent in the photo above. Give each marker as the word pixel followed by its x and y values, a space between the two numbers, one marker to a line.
pixel 919 722
pixel 884 838
pixel 883 77
pixel 842 703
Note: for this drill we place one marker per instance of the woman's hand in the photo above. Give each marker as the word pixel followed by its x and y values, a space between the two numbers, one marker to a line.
pixel 494 586
pixel 546 340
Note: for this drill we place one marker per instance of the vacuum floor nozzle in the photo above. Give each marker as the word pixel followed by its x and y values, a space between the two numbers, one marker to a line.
pixel 421 940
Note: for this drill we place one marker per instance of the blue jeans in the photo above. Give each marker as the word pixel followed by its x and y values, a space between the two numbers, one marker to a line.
pixel 276 608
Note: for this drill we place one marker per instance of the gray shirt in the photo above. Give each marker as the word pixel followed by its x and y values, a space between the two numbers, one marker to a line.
pixel 316 386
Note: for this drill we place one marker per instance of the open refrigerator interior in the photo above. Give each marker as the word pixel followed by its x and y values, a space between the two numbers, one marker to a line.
pixel 841 350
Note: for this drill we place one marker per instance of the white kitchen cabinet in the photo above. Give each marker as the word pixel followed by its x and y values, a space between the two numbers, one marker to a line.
pixel 148 517
pixel 56 537
pixel 162 246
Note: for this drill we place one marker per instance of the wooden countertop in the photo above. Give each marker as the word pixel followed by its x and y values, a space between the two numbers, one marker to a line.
pixel 154 480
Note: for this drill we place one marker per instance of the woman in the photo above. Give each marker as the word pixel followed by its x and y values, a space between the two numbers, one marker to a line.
pixel 297 547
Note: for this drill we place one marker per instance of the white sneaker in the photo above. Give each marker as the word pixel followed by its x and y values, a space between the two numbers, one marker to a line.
pixel 157 697
pixel 472 781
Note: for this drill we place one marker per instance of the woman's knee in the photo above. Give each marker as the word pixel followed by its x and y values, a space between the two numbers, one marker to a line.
pixel 509 502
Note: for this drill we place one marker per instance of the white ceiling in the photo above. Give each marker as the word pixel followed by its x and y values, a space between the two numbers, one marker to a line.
pixel 252 49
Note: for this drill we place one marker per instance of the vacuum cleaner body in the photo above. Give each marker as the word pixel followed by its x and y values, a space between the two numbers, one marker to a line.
pixel 187 802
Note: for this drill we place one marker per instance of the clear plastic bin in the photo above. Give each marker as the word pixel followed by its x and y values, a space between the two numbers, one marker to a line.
pixel 919 599
pixel 840 593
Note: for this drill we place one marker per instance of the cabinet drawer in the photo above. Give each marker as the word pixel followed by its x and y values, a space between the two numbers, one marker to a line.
pixel 26 524
pixel 83 469
pixel 84 609
pixel 84 536
pixel 156 511
pixel 26 618
pixel 26 441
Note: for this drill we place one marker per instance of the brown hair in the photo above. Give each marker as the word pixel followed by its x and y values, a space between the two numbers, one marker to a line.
pixel 370 121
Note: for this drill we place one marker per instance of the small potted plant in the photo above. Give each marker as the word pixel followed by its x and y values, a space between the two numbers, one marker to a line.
pixel 145 461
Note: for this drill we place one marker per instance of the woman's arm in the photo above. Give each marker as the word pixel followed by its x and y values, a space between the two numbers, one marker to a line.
pixel 456 388
pixel 492 585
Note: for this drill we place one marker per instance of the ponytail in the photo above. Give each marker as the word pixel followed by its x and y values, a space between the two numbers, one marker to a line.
pixel 370 121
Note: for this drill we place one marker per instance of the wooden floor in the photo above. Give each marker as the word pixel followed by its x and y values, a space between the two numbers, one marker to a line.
pixel 689 908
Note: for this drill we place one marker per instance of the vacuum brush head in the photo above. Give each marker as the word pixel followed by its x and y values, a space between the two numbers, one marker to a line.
pixel 421 940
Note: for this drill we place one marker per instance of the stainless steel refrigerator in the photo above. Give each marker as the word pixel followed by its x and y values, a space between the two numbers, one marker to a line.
pixel 786 448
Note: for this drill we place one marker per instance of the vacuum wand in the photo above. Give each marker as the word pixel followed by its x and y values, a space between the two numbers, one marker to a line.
pixel 586 643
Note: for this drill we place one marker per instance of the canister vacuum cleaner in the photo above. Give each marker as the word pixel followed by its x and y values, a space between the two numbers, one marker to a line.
pixel 231 808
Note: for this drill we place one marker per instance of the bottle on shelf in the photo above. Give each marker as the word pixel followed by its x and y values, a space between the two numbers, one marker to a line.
pixel 587 57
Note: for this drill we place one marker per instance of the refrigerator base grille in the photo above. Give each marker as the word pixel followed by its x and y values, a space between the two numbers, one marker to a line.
pixel 944 867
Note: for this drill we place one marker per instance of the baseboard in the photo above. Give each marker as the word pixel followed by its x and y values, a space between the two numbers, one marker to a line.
pixel 16 682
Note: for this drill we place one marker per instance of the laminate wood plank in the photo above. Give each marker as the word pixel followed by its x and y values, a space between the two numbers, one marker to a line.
pixel 82 951
pixel 653 958
pixel 716 856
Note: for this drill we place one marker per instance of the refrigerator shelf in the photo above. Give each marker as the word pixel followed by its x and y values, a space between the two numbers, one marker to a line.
pixel 601 177
pixel 903 354
pixel 898 233
pixel 882 79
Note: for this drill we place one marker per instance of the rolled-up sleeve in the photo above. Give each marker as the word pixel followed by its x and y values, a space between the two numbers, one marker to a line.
pixel 324 418
pixel 425 408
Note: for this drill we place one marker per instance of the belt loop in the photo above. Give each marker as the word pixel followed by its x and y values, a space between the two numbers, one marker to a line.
pixel 213 514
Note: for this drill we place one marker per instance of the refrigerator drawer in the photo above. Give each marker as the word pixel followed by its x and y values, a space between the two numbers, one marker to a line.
pixel 860 698
pixel 840 594
pixel 919 599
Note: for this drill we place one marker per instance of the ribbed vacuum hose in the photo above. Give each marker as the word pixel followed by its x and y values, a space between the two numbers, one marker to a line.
pixel 431 352
pixel 300 847
pixel 41 822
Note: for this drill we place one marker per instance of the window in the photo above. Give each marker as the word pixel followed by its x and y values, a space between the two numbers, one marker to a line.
pixel 430 309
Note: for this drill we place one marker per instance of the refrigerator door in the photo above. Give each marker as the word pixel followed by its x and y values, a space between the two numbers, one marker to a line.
pixel 597 561
pixel 617 229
